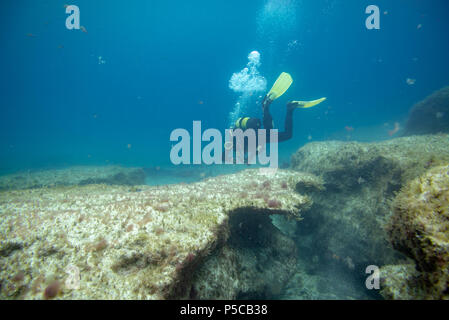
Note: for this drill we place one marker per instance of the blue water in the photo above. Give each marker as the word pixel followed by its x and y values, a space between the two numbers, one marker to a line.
pixel 167 63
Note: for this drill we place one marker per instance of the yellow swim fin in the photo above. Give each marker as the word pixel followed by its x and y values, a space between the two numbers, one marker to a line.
pixel 283 82
pixel 306 104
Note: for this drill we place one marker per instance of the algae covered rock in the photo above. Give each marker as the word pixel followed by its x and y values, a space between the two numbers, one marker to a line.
pixel 78 175
pixel 419 227
pixel 348 165
pixel 346 221
pixel 256 262
pixel 401 282
pixel 430 115
pixel 116 242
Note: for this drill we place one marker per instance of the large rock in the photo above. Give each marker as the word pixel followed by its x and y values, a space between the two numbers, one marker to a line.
pixel 345 225
pixel 419 227
pixel 430 115
pixel 211 239
pixel 401 282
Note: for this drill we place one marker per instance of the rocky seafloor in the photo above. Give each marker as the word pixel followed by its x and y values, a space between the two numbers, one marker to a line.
pixel 345 230
pixel 78 175
pixel 307 232
pixel 210 239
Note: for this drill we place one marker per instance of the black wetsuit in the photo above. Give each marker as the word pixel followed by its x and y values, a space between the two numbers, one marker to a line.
pixel 268 125
pixel 288 125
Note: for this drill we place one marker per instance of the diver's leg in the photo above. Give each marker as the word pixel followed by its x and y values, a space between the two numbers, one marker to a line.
pixel 288 125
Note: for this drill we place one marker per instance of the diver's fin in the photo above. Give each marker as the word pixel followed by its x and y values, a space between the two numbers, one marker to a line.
pixel 283 82
pixel 306 104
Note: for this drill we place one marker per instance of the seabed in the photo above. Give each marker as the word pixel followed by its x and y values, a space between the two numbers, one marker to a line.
pixel 306 232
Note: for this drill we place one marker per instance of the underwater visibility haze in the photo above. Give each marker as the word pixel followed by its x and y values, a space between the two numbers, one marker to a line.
pixel 96 96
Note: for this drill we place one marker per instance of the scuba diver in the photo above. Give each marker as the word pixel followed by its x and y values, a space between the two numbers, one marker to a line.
pixel 281 85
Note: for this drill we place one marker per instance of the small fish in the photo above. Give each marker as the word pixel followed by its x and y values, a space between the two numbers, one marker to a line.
pixel 419 26
pixel 83 29
pixel 439 115
pixel 397 127
pixel 348 261
pixel 129 146
pixel 200 102
pixel 349 128
pixel 410 81
pixel 360 180
pixel 31 35
pixel 309 137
